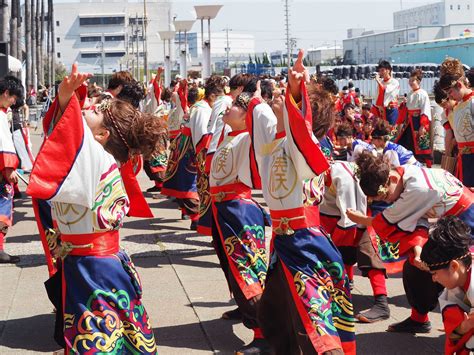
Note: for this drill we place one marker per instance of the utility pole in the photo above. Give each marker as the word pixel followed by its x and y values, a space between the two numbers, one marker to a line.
pixel 102 60
pixel 138 47
pixel 227 48
pixel 145 42
pixel 287 29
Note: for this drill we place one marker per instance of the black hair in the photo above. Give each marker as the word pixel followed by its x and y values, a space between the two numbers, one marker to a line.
pixel 193 95
pixel 328 84
pixel 439 94
pixel 12 85
pixel 384 64
pixel 344 130
pixel 373 172
pixel 239 80
pixel 344 88
pixel 132 93
pixel 366 107
pixel 449 240
pixel 251 85
pixel 215 84
pixel 267 89
pixel 20 102
pixel 349 105
pixel 350 85
pixel 382 130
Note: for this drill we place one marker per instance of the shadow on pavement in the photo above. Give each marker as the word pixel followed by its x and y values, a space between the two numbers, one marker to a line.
pixel 30 333
pixel 155 259
pixel 388 343
pixel 191 336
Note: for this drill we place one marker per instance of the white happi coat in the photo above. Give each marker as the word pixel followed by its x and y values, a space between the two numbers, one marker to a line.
pixel 391 89
pixel 424 190
pixel 419 100
pixel 216 126
pixel 343 193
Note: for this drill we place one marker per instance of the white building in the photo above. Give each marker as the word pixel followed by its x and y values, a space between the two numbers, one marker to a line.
pixel 89 31
pixel 440 13
pixel 372 47
pixel 323 54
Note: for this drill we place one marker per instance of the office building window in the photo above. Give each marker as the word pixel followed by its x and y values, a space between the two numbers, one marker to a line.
pixel 90 55
pixel 58 40
pixel 114 38
pixel 459 7
pixel 135 20
pixel 91 39
pixel 57 23
pixel 94 21
pixel 115 54
pixel 58 55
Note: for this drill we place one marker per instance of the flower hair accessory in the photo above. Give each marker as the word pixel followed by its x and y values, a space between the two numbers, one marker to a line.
pixel 105 108
pixel 382 190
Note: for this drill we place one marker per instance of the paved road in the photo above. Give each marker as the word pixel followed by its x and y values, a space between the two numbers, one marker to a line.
pixel 184 292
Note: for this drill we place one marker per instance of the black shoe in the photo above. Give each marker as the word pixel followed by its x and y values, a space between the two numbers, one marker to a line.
pixel 8 259
pixel 233 314
pixel 194 225
pixel 378 312
pixel 257 346
pixel 18 195
pixel 410 326
pixel 154 189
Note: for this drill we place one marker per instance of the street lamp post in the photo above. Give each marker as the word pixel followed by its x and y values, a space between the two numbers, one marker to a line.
pixel 167 36
pixel 183 26
pixel 206 12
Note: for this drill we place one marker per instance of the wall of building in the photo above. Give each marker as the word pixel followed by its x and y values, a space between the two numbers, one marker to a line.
pixel 70 31
pixel 435 51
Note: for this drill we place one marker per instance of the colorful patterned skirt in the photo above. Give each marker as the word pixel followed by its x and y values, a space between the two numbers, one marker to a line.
pixel 241 226
pixel 180 178
pixel 103 312
pixel 205 210
pixel 319 286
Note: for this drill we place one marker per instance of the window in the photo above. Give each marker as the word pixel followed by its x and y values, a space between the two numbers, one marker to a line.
pixel 114 38
pixel 135 20
pixel 134 38
pixel 57 23
pixel 91 39
pixel 459 7
pixel 450 7
pixel 115 54
pixel 93 21
pixel 58 55
pixel 58 40
pixel 90 55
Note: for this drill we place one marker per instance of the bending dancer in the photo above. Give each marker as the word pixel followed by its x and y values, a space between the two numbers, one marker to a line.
pixel 306 306
pixel 448 256
pixel 239 220
pixel 101 291
pixel 415 193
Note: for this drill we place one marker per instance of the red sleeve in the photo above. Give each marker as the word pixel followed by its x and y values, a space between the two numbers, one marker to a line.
pixel 447 126
pixel 380 95
pixel 393 234
pixel 425 121
pixel 183 97
pixel 453 315
pixel 157 91
pixel 301 130
pixel 138 205
pixel 59 151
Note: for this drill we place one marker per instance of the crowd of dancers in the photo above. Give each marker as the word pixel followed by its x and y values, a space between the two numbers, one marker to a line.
pixel 344 182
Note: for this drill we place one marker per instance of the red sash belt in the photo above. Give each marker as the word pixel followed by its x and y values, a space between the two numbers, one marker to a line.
pixel 94 244
pixel 416 112
pixel 286 222
pixel 229 192
pixel 186 131
pixel 464 202
pixel 174 133
pixel 466 147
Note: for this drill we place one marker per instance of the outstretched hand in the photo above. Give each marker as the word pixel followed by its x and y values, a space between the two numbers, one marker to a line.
pixel 258 91
pixel 69 85
pixel 296 74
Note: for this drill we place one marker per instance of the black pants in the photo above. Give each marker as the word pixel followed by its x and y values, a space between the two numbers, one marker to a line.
pixel 422 292
pixel 279 318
